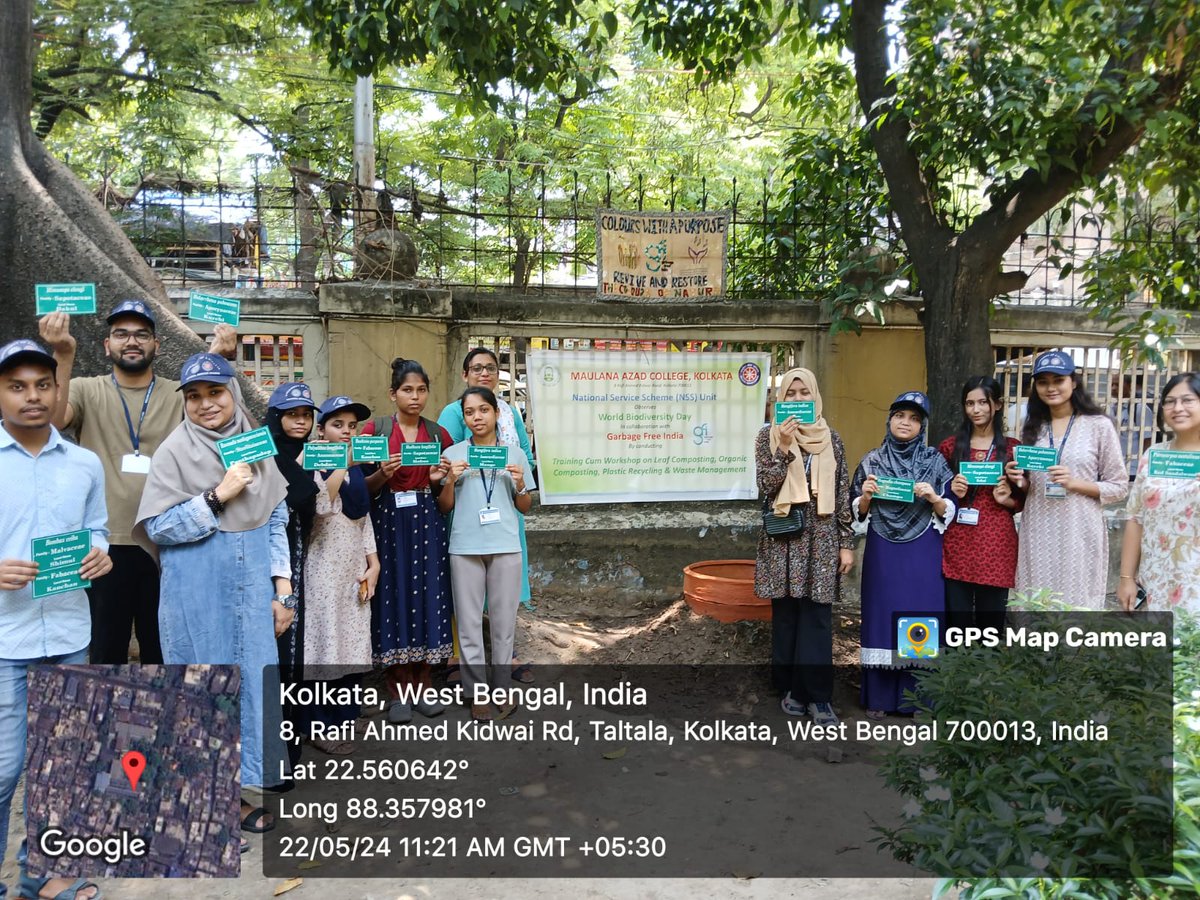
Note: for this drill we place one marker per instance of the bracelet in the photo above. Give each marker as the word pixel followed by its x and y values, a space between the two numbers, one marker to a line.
pixel 214 503
pixel 1131 577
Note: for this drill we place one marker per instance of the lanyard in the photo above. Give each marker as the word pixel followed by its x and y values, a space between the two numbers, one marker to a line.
pixel 1066 435
pixel 135 437
pixel 488 488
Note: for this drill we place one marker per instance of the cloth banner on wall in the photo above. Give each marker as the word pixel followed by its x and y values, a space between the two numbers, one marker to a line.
pixel 661 256
pixel 620 427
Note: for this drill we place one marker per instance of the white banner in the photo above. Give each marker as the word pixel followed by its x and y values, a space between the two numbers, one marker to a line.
pixel 619 427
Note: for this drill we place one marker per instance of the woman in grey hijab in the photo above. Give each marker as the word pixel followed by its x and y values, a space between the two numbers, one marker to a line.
pixel 220 537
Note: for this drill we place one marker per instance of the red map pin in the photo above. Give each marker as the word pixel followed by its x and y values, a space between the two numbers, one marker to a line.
pixel 134 764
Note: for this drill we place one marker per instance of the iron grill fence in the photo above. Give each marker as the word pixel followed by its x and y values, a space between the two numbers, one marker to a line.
pixel 532 227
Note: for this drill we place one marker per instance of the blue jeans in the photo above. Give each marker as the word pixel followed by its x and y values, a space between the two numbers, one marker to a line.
pixel 14 718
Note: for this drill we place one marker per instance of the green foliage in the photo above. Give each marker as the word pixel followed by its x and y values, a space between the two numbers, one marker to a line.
pixel 534 44
pixel 983 807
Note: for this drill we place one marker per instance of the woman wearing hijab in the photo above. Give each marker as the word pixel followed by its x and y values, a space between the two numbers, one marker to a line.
pixel 290 414
pixel 341 571
pixel 804 466
pixel 220 537
pixel 902 562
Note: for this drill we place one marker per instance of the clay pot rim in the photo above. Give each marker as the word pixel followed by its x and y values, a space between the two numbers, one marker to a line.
pixel 691 569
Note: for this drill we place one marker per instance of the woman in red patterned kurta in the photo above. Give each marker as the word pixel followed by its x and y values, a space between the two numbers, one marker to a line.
pixel 979 550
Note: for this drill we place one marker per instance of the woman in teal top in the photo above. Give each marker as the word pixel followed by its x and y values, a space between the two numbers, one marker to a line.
pixel 481 368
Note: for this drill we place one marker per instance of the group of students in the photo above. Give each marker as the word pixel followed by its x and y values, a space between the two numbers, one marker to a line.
pixel 259 563
pixel 953 551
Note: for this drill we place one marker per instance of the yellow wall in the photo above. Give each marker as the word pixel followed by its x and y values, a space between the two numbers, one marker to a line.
pixel 361 353
pixel 861 375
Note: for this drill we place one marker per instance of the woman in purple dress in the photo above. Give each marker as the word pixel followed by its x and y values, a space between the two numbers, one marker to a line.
pixel 902 562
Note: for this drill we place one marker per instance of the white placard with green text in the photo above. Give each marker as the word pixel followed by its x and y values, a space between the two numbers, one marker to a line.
pixel 628 426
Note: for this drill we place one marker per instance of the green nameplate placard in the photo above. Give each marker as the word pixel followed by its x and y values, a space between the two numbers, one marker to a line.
pixel 428 454
pixel 59 557
pixel 248 447
pixel 983 473
pixel 487 457
pixel 370 448
pixel 72 299
pixel 1035 459
pixel 332 455
pixel 1174 463
pixel 804 411
pixel 900 489
pixel 210 308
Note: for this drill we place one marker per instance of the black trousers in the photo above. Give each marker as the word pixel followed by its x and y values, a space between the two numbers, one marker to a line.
pixel 802 648
pixel 124 599
pixel 979 605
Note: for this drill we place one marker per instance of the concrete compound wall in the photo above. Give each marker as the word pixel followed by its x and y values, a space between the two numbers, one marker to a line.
pixel 627 559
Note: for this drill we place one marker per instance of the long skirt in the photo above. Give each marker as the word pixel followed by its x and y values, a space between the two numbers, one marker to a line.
pixel 410 614
pixel 898 580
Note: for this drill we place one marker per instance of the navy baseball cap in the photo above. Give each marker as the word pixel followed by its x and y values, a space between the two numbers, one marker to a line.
pixel 138 308
pixel 1056 361
pixel 911 400
pixel 291 395
pixel 24 350
pixel 206 367
pixel 337 404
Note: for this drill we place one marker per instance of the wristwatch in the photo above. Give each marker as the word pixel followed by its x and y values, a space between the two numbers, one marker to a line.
pixel 523 491
pixel 288 601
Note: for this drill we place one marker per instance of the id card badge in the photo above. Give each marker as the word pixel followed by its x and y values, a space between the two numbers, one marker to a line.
pixel 968 516
pixel 489 516
pixel 135 464
pixel 405 498
pixel 1056 491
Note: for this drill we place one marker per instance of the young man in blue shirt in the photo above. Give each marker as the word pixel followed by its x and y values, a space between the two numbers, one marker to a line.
pixel 50 487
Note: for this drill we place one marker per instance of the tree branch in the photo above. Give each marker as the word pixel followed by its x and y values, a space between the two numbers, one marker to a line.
pixel 908 186
pixel 1032 195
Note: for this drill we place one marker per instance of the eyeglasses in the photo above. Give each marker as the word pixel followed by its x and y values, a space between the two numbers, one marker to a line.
pixel 1182 402
pixel 479 370
pixel 121 336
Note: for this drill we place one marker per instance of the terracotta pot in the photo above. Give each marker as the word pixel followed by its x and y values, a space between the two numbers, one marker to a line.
pixel 724 590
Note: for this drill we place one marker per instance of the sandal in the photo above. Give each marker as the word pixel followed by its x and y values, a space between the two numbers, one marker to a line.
pixel 876 715
pixel 253 822
pixel 483 712
pixel 333 748
pixel 453 675
pixel 523 673
pixel 68 893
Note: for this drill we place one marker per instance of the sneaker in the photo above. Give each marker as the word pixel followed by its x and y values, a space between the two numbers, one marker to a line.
pixel 429 710
pixel 792 707
pixel 399 712
pixel 822 714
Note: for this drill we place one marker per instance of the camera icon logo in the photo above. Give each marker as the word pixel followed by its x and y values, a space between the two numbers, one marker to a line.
pixel 917 637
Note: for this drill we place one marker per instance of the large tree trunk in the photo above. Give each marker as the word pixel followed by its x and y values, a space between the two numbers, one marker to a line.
pixel 52 229
pixel 957 337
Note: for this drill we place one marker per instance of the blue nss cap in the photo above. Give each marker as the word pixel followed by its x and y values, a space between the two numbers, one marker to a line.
pixel 132 308
pixel 291 395
pixel 1057 362
pixel 911 400
pixel 206 367
pixel 337 404
pixel 24 350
